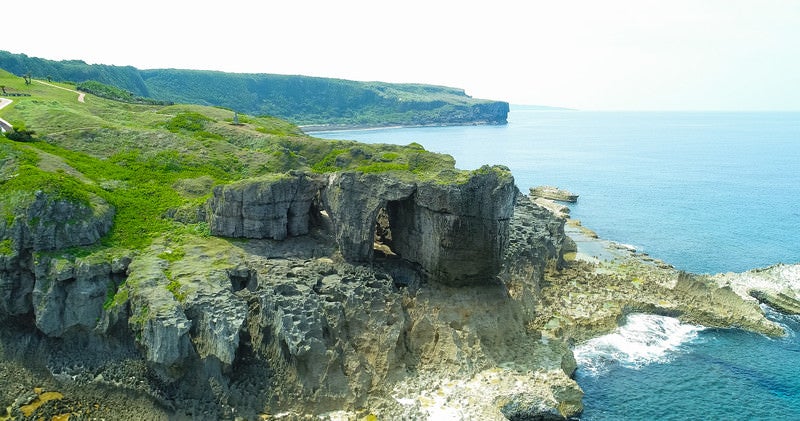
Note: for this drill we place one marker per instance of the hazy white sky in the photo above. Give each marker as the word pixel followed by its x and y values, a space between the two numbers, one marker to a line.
pixel 605 55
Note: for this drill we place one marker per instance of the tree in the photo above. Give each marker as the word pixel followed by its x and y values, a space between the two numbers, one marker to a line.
pixel 27 77
pixel 3 87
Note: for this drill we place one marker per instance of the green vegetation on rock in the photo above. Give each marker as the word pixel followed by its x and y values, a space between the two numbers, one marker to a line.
pixel 6 247
pixel 156 164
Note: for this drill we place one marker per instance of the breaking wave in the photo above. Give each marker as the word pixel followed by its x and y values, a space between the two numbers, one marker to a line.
pixel 643 339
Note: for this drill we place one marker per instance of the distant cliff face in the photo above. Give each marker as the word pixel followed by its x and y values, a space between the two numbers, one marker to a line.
pixel 300 99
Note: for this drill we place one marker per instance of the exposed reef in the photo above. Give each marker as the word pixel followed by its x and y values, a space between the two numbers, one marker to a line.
pixel 338 296
pixel 553 193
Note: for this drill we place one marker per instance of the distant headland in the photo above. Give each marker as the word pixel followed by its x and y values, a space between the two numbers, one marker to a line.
pixel 303 100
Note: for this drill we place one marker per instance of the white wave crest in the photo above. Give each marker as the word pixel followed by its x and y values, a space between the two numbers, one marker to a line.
pixel 643 339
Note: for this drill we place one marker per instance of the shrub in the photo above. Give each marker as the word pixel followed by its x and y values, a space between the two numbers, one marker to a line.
pixel 19 133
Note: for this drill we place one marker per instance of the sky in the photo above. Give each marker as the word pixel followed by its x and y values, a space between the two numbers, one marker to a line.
pixel 730 55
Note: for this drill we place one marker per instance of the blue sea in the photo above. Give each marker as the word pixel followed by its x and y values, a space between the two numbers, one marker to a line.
pixel 707 192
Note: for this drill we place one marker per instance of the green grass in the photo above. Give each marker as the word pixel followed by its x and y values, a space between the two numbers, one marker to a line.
pixel 172 255
pixel 148 159
pixel 174 286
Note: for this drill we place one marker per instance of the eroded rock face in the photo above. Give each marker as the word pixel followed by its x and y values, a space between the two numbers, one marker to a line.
pixel 69 294
pixel 272 208
pixel 51 224
pixel 353 201
pixel 455 232
pixel 42 223
pixel 333 328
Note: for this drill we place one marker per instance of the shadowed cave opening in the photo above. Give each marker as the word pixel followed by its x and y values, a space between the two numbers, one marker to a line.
pixel 393 230
pixel 382 243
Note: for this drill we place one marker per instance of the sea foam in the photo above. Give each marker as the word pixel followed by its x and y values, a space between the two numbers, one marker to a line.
pixel 643 339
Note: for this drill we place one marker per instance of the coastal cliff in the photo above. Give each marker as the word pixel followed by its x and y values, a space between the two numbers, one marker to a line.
pixel 210 319
pixel 183 262
pixel 308 328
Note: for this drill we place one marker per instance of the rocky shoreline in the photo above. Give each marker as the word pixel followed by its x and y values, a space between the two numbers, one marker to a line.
pixel 297 323
pixel 313 128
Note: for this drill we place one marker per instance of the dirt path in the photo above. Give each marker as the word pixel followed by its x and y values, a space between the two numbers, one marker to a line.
pixel 4 125
pixel 81 95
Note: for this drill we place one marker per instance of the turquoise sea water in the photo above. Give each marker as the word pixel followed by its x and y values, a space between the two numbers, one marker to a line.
pixel 707 192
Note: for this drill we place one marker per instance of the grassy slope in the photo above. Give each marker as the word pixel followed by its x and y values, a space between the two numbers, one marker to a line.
pixel 148 159
pixel 301 99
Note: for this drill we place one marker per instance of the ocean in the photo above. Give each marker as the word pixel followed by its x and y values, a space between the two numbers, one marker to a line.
pixel 707 192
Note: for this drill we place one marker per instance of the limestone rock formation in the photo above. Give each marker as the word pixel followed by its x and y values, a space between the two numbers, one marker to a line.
pixel 70 294
pixel 469 317
pixel 275 208
pixel 353 200
pixel 456 232
pixel 778 286
pixel 39 221
pixel 553 193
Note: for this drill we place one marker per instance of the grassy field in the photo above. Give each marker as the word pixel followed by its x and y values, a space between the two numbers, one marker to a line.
pixel 150 160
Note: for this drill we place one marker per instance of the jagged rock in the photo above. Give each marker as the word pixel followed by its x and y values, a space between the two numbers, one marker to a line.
pixel 289 326
pixel 69 294
pixel 553 193
pixel 43 223
pixel 160 326
pixel 780 301
pixel 216 315
pixel 275 208
pixel 455 232
pixel 353 201
pixel 191 318
pixel 334 327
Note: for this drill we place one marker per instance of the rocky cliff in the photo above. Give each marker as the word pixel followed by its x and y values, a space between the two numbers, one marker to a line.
pixel 341 296
pixel 455 232
pixel 330 306
pixel 38 222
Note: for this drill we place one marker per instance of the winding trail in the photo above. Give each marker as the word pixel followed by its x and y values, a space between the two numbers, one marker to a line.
pixel 81 95
pixel 4 125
